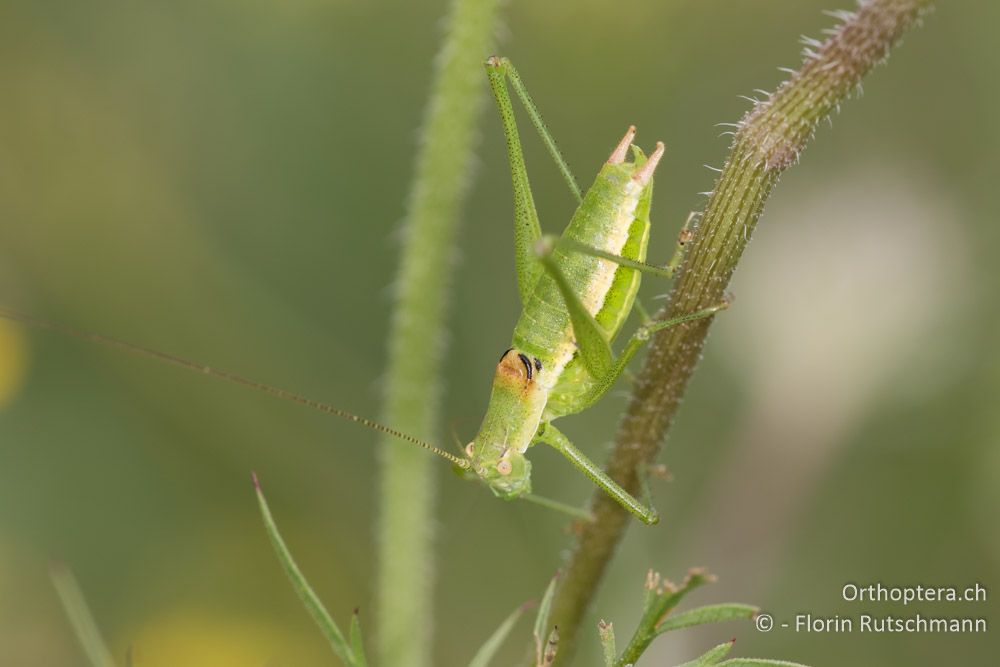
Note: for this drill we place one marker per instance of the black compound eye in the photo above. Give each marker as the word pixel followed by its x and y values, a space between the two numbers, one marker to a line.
pixel 538 364
pixel 527 364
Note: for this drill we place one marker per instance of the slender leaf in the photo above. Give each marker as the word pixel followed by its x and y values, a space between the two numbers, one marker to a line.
pixel 542 618
pixel 713 613
pixel 758 662
pixel 80 617
pixel 305 592
pixel 357 646
pixel 669 599
pixel 492 645
pixel 652 590
pixel 712 656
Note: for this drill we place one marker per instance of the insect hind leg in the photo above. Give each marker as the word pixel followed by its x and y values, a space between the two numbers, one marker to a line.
pixel 506 69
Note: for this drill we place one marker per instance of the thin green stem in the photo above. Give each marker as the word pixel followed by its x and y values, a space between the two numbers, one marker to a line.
pixel 405 556
pixel 769 139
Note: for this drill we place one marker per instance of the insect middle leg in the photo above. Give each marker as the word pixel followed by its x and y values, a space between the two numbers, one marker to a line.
pixel 592 340
pixel 642 335
pixel 551 436
pixel 667 271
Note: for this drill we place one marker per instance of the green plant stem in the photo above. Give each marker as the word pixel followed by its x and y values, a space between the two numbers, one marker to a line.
pixel 768 140
pixel 405 560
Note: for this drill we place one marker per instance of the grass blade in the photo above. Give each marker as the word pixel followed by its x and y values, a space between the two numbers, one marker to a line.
pixel 80 617
pixel 305 592
pixel 492 645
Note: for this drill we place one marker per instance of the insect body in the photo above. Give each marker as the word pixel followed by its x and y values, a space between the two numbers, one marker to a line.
pixel 544 375
pixel 576 293
pixel 577 290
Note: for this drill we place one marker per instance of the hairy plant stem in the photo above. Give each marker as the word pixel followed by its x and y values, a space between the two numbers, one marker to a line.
pixel 768 140
pixel 405 530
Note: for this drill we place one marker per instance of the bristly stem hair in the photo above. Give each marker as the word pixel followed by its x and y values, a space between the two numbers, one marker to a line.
pixel 768 140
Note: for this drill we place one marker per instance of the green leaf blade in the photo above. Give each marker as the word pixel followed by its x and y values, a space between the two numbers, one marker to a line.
pixel 542 618
pixel 490 647
pixel 758 662
pixel 714 613
pixel 712 656
pixel 357 646
pixel 80 617
pixel 302 588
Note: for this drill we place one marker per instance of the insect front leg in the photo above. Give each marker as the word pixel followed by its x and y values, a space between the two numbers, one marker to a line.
pixel 555 438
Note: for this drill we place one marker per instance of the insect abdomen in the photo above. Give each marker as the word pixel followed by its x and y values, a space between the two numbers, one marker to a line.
pixel 604 220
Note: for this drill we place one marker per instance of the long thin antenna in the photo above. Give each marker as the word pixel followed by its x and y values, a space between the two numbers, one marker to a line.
pixel 46 325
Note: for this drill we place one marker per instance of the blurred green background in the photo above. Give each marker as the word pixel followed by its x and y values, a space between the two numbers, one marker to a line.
pixel 225 180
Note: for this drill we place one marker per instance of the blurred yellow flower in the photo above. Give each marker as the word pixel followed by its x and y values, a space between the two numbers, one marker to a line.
pixel 201 637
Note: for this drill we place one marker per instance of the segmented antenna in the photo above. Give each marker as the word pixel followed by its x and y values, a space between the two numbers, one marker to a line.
pixel 220 374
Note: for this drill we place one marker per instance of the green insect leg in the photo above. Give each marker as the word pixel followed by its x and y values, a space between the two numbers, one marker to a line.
pixel 585 249
pixel 595 351
pixel 527 228
pixel 644 315
pixel 553 437
pixel 667 271
pixel 639 338
pixel 563 508
pixel 504 67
